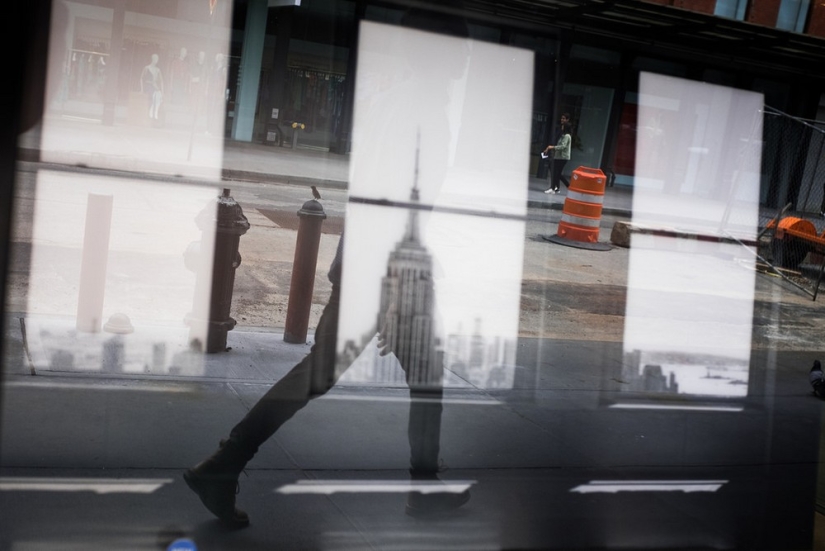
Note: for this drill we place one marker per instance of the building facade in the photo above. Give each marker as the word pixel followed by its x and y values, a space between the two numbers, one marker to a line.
pixel 292 63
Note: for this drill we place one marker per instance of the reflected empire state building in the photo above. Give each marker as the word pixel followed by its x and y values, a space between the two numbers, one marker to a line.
pixel 408 303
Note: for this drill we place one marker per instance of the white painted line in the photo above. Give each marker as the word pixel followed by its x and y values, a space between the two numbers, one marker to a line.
pixel 328 487
pixel 96 485
pixel 728 409
pixel 614 486
pixel 42 382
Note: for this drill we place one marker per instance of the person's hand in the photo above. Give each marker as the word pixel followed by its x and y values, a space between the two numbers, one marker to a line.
pixel 385 336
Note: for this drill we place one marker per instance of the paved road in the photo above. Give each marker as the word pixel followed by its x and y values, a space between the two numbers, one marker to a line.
pixel 554 463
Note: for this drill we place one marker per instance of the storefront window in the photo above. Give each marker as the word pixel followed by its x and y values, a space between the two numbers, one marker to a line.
pixel 733 9
pixel 793 14
pixel 319 296
pixel 590 108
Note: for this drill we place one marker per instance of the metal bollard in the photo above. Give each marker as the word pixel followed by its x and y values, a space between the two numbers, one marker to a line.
pixel 228 223
pixel 312 215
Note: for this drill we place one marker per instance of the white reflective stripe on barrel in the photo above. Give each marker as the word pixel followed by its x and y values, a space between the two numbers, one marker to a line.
pixel 585 198
pixel 579 221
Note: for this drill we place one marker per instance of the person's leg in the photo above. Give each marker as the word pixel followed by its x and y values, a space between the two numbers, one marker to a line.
pixel 215 479
pixel 156 99
pixel 562 179
pixel 424 430
pixel 424 436
pixel 551 177
pixel 558 166
pixel 313 376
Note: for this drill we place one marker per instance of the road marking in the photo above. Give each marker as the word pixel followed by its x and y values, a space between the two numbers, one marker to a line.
pixel 328 487
pixel 614 486
pixel 128 384
pixel 728 409
pixel 96 485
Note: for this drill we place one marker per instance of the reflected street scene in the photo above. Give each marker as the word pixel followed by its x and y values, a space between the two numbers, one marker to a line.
pixel 433 275
pixel 690 298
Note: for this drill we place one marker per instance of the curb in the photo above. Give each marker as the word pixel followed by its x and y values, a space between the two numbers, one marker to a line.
pixel 231 174
pixel 249 176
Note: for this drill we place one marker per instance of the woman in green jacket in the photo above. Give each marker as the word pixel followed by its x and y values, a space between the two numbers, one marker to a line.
pixel 561 154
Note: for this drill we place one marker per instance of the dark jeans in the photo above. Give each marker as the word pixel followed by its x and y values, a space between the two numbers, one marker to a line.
pixel 314 376
pixel 556 169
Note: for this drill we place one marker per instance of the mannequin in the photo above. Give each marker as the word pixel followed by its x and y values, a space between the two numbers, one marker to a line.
pixel 197 77
pixel 151 84
pixel 179 77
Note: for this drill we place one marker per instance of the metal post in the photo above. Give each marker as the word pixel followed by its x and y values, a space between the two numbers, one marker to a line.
pixel 303 271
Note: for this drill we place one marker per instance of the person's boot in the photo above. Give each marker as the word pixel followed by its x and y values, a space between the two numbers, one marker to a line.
pixel 420 504
pixel 215 481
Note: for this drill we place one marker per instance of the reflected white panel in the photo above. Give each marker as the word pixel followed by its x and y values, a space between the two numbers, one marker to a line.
pixel 689 307
pixel 466 105
pixel 158 269
pixel 159 106
pixel 437 141
pixel 698 157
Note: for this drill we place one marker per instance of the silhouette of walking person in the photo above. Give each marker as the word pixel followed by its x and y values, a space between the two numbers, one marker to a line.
pixel 215 479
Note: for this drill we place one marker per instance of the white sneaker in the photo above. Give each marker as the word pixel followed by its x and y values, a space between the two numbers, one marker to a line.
pixel 549 191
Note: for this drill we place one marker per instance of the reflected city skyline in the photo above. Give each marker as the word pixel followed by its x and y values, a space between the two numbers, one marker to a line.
pixel 690 290
pixel 684 373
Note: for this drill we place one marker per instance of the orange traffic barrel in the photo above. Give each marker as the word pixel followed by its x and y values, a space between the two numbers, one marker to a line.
pixel 582 211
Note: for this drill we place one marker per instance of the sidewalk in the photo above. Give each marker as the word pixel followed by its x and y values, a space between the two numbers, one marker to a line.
pixel 180 153
pixel 251 161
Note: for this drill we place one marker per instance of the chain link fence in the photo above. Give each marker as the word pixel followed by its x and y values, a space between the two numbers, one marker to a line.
pixel 792 212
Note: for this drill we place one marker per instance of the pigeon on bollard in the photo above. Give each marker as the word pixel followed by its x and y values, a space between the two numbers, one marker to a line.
pixel 315 192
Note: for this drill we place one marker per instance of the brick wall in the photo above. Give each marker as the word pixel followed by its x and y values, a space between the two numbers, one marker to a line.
pixel 760 12
pixel 816 23
pixel 763 12
pixel 701 6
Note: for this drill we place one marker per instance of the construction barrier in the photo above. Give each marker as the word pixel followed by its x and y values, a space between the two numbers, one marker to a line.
pixel 582 211
pixel 793 240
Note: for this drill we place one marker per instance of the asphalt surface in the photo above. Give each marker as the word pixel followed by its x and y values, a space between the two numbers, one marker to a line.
pixel 94 462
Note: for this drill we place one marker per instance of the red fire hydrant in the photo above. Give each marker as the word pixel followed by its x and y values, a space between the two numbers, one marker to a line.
pixel 228 223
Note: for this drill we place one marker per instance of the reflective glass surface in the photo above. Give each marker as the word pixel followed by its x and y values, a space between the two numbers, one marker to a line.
pixel 336 275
